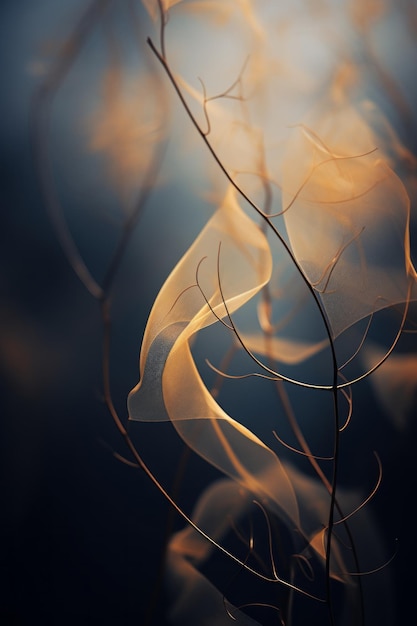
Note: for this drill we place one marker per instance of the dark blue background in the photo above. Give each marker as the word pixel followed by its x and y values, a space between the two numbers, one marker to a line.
pixel 81 533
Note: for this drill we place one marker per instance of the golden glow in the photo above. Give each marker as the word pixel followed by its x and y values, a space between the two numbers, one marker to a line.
pixel 296 169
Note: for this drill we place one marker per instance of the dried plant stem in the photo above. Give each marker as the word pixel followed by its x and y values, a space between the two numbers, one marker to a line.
pixel 334 386
pixel 39 122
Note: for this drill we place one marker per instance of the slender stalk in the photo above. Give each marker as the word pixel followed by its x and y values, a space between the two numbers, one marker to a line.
pixel 39 124
pixel 334 387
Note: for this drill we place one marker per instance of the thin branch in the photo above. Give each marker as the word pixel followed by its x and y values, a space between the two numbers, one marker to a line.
pixel 369 497
pixel 40 114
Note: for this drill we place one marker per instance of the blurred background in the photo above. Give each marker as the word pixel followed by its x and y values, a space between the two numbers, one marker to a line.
pixel 82 533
